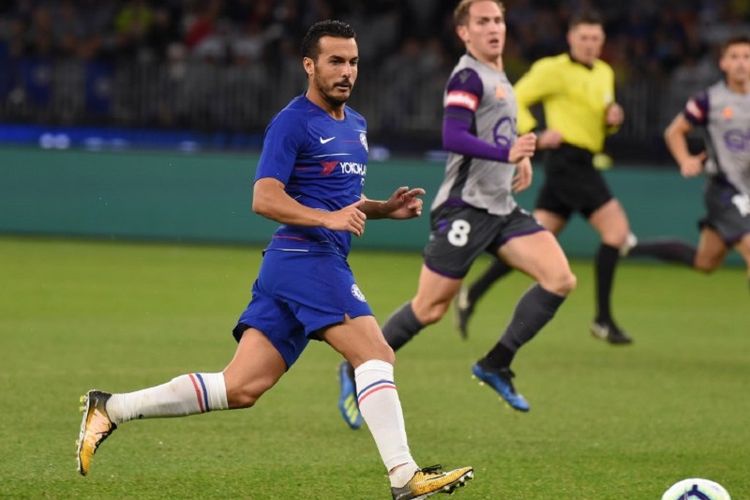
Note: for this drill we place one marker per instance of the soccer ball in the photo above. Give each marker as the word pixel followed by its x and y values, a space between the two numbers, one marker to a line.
pixel 696 489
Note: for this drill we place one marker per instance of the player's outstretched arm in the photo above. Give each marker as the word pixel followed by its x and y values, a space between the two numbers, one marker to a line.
pixel 271 201
pixel 404 203
pixel 675 136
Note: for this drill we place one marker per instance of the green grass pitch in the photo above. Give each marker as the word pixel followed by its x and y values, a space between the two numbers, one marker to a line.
pixel 606 422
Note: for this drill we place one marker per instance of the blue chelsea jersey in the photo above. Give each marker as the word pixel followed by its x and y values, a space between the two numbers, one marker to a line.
pixel 322 163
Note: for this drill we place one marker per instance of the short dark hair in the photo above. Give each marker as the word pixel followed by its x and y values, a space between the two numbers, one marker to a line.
pixel 329 27
pixel 585 17
pixel 735 40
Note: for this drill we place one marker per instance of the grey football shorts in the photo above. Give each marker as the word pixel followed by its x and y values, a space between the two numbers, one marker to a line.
pixel 461 234
pixel 728 211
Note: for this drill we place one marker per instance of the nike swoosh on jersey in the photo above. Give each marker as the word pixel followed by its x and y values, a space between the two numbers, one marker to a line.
pixel 326 141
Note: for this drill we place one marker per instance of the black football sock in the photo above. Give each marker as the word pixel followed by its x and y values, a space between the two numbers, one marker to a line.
pixel 401 327
pixel 497 270
pixel 606 262
pixel 534 310
pixel 667 250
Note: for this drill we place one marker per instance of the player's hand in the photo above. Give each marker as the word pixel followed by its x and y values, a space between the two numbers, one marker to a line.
pixel 550 139
pixel 524 147
pixel 524 174
pixel 615 115
pixel 404 203
pixel 349 218
pixel 693 165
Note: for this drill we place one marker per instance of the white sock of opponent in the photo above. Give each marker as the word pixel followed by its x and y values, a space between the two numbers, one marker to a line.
pixel 381 409
pixel 183 395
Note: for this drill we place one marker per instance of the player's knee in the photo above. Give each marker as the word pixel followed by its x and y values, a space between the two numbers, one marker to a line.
pixel 378 350
pixel 561 283
pixel 245 395
pixel 706 264
pixel 382 351
pixel 432 313
pixel 617 239
pixel 388 355
pixel 568 283
pixel 241 399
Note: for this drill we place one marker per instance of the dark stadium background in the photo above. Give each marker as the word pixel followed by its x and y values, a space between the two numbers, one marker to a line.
pixel 208 74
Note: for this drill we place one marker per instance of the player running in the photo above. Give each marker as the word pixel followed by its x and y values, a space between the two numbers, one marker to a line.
pixel 309 178
pixel 576 90
pixel 474 211
pixel 722 112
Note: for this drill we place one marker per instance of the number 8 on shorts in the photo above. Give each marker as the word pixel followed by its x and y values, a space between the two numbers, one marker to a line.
pixel 458 235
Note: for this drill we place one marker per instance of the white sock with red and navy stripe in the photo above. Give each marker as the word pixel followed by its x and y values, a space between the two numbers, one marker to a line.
pixel 183 395
pixel 380 407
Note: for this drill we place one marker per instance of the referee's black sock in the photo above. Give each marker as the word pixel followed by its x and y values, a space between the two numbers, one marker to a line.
pixel 667 250
pixel 497 270
pixel 534 310
pixel 606 262
pixel 401 327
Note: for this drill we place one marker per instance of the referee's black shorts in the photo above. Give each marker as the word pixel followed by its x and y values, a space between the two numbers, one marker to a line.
pixel 572 183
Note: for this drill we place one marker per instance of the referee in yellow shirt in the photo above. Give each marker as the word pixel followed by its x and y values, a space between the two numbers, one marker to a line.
pixel 576 90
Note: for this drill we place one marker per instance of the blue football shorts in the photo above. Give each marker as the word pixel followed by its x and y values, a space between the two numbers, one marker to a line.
pixel 299 294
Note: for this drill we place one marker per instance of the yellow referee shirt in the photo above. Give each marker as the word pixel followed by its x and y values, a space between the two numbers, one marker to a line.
pixel 574 96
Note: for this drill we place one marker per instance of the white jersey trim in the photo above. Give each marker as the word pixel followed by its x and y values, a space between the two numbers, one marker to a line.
pixel 462 99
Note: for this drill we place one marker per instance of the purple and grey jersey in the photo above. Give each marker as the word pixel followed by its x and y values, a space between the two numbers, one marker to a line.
pixel 725 115
pixel 479 127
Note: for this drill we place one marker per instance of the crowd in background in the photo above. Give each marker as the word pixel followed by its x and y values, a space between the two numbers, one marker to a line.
pixel 645 38
pixel 121 61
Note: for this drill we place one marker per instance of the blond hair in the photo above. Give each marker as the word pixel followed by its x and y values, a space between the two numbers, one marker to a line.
pixel 461 12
